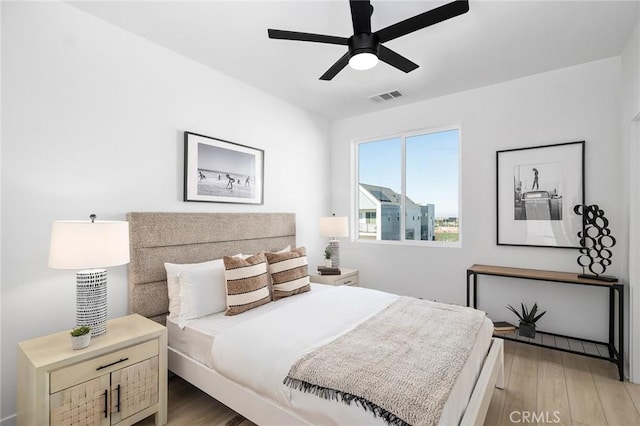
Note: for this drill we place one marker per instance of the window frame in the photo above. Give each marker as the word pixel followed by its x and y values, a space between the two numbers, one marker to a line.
pixel 355 183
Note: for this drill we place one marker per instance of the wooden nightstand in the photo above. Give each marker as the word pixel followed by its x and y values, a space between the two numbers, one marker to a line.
pixel 347 277
pixel 120 378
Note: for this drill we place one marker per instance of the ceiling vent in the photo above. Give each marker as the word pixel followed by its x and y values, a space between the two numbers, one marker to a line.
pixel 388 96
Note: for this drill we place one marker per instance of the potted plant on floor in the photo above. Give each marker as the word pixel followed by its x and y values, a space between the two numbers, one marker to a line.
pixel 528 318
pixel 80 337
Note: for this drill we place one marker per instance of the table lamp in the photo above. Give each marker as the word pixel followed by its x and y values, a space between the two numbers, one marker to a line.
pixel 87 245
pixel 334 227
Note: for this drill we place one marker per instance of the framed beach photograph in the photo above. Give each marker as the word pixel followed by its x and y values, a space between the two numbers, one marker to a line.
pixel 537 188
pixel 220 171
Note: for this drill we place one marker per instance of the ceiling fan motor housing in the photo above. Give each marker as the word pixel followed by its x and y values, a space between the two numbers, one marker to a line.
pixel 363 43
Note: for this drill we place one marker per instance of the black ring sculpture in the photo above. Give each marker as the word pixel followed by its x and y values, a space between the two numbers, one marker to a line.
pixel 595 242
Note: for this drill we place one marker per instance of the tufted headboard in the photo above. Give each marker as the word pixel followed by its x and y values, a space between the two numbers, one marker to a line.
pixel 156 238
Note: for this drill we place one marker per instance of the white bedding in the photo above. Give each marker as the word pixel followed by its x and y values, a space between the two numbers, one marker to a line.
pixel 196 338
pixel 257 350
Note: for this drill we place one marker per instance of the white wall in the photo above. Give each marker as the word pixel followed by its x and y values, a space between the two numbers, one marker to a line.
pixel 630 134
pixel 630 63
pixel 1 41
pixel 572 104
pixel 93 120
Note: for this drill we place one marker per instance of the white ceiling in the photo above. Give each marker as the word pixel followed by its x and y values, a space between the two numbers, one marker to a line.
pixel 495 41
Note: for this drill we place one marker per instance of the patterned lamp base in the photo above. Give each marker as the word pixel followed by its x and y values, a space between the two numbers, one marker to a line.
pixel 91 300
pixel 334 246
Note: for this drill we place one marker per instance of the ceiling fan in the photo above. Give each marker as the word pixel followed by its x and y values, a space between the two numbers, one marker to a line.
pixel 365 47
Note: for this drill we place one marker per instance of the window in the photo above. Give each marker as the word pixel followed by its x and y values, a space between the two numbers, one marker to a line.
pixel 407 187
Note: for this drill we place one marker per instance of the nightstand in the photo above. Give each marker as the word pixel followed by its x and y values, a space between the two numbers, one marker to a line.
pixel 347 277
pixel 119 379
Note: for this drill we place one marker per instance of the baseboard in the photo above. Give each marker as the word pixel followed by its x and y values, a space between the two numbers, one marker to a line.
pixel 9 421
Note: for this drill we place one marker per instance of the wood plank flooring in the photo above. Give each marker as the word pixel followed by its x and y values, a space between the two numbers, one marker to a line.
pixel 189 406
pixel 542 387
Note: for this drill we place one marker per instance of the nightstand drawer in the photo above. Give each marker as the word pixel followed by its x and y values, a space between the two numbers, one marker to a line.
pixel 83 371
pixel 347 277
pixel 350 280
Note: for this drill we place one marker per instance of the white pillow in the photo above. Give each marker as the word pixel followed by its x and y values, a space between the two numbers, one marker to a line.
pixel 173 282
pixel 202 292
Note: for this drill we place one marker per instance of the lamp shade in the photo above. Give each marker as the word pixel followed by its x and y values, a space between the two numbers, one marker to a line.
pixel 334 226
pixel 87 244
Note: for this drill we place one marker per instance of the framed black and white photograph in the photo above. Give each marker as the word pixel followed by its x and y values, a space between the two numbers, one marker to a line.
pixel 537 188
pixel 220 171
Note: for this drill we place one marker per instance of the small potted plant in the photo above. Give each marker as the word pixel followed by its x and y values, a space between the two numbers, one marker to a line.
pixel 80 337
pixel 327 257
pixel 528 318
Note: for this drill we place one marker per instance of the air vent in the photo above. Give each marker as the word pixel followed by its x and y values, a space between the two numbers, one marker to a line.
pixel 388 96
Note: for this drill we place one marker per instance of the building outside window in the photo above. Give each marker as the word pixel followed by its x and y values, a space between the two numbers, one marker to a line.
pixel 407 187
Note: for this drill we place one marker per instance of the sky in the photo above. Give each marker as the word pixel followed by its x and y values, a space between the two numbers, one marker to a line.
pixel 431 165
pixel 225 160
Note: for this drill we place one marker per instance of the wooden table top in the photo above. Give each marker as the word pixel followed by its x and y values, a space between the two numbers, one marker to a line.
pixel 537 274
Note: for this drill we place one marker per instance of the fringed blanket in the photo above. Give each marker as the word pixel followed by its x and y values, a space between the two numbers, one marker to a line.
pixel 401 364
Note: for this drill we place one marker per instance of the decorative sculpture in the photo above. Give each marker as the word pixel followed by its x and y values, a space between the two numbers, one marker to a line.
pixel 595 242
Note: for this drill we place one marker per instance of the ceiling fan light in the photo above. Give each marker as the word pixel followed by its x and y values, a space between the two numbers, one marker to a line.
pixel 363 61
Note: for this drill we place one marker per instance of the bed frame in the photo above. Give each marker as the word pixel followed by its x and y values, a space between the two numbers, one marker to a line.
pixel 156 238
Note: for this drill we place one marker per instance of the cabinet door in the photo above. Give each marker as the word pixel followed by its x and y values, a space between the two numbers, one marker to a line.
pixel 82 404
pixel 133 389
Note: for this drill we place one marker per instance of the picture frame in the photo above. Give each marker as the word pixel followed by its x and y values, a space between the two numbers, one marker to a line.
pixel 537 188
pixel 219 171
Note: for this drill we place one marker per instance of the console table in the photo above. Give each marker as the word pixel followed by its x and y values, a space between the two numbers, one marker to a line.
pixel 550 340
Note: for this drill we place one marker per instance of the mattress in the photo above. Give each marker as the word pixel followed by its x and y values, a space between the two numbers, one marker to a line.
pixel 196 339
pixel 250 368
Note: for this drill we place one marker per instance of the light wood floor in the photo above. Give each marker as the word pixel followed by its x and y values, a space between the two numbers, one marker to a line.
pixel 541 387
pixel 189 406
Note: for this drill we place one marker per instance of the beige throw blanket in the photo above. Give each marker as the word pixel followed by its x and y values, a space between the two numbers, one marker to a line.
pixel 401 364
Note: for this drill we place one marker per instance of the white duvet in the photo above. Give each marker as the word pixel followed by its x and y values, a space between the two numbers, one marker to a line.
pixel 259 352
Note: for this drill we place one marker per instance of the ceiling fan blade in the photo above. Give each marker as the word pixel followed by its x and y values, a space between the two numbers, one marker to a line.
pixel 361 15
pixel 316 38
pixel 395 60
pixel 423 20
pixel 336 68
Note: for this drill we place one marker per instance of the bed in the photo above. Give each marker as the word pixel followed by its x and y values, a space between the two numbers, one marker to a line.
pixel 183 238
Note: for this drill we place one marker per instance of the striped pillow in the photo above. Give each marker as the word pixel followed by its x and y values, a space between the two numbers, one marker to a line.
pixel 289 272
pixel 247 283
